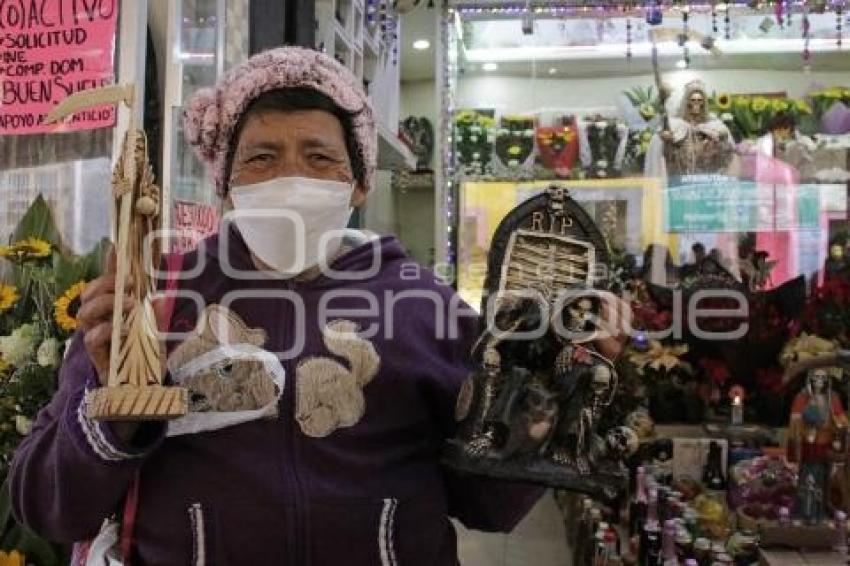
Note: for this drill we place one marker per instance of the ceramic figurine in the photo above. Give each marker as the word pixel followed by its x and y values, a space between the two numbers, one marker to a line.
pixel 817 419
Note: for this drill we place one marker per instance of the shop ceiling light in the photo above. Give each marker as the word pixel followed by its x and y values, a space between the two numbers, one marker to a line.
pixel 421 44
pixel 681 64
pixel 489 66
pixel 553 70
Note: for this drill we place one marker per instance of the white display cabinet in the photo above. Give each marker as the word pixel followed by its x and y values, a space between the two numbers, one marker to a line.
pixel 344 31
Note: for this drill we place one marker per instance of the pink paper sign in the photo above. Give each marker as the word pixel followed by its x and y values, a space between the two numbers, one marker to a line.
pixel 50 49
pixel 193 221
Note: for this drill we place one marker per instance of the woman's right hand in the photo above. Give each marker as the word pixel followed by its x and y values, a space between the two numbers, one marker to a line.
pixel 94 318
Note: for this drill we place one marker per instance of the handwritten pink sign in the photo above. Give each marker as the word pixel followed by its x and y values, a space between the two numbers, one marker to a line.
pixel 50 49
pixel 193 221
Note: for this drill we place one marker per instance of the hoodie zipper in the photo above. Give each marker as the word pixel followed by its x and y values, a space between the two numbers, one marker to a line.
pixel 297 528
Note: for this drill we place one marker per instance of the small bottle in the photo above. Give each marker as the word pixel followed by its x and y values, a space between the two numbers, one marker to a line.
pixel 583 532
pixel 712 474
pixel 841 535
pixel 639 503
pixel 684 544
pixel 702 551
pixel 590 548
pixel 668 545
pixel 650 545
pixel 599 545
pixel 692 521
pixel 652 507
pixel 784 516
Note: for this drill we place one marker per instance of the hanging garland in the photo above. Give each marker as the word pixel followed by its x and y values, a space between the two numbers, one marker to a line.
pixel 683 38
pixel 807 54
pixel 727 21
pixel 629 39
pixel 714 28
pixel 839 24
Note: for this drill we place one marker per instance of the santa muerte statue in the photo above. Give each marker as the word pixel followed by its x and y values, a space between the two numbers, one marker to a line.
pixel 693 142
pixel 532 410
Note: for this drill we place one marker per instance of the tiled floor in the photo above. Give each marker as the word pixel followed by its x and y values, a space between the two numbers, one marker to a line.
pixel 539 540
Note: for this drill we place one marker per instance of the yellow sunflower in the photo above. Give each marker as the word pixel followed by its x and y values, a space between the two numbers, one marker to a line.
pixel 803 107
pixel 742 101
pixel 779 105
pixel 26 250
pixel 724 102
pixel 66 307
pixel 8 296
pixel 658 356
pixel 13 558
pixel 760 104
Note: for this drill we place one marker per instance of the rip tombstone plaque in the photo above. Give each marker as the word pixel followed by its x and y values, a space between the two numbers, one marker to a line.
pixel 135 389
pixel 531 410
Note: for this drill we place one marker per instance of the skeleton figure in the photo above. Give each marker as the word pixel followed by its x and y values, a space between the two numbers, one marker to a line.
pixel 590 387
pixel 514 313
pixel 531 417
pixel 695 142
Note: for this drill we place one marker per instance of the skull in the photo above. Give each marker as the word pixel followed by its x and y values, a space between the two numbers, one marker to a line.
pixel 492 359
pixel 601 379
pixel 696 105
pixel 640 422
pixel 623 440
pixel 580 313
pixel 818 380
pixel 556 199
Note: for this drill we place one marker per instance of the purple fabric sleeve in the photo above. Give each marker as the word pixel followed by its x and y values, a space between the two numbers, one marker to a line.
pixel 478 502
pixel 71 473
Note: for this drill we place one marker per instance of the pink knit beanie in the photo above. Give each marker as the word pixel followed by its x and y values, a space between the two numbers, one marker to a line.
pixel 212 113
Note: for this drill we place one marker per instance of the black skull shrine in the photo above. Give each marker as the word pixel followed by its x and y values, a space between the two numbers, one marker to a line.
pixel 531 411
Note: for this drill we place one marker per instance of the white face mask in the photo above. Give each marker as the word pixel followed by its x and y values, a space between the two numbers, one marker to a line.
pixel 293 223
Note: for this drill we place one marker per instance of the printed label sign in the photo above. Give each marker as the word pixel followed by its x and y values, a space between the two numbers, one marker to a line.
pixel 50 49
pixel 728 205
pixel 194 221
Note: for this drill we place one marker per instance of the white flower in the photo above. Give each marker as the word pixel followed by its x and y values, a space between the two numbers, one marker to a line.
pixel 48 353
pixel 473 139
pixel 601 173
pixel 23 425
pixel 601 124
pixel 727 117
pixel 18 347
pixel 602 164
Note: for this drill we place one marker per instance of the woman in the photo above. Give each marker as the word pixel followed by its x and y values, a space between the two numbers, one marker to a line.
pixel 327 451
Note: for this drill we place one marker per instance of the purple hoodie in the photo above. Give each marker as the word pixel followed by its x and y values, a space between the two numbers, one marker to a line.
pixel 369 492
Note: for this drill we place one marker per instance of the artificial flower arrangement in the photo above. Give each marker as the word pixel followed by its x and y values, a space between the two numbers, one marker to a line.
pixel 832 109
pixel 39 297
pixel 558 146
pixel 747 117
pixel 604 136
pixel 515 142
pixel 474 139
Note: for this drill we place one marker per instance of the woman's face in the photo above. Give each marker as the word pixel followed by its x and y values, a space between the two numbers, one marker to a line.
pixel 302 143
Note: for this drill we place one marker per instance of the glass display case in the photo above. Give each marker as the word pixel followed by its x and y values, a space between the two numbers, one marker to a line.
pixel 207 38
pixel 709 143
